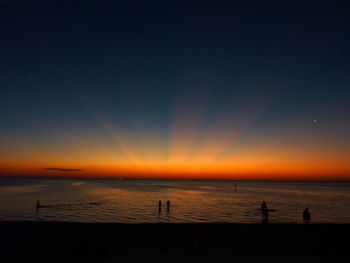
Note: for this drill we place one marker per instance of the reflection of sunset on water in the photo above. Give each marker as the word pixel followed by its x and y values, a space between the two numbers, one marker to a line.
pixel 136 201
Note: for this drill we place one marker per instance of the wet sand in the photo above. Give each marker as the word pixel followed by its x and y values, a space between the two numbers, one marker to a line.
pixel 100 242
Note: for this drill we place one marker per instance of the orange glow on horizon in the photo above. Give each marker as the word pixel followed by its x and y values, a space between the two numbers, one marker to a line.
pixel 221 151
pixel 267 168
pixel 267 159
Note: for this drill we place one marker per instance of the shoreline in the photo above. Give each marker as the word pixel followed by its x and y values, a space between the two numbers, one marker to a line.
pixel 10 222
pixel 28 241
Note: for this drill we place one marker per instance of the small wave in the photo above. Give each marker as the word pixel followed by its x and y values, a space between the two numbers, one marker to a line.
pixel 72 205
pixel 21 189
pixel 95 203
pixel 77 183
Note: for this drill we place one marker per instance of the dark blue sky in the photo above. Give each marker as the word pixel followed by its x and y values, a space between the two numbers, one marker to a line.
pixel 138 64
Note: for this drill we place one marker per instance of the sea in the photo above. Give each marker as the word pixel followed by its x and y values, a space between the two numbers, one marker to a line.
pixel 137 201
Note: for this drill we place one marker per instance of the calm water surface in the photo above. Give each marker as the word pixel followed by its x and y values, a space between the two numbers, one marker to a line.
pixel 136 201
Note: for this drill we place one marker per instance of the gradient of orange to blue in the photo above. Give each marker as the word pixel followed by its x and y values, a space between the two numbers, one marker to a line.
pixel 187 90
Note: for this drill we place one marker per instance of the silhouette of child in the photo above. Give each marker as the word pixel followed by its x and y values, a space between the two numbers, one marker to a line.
pixel 306 216
pixel 159 206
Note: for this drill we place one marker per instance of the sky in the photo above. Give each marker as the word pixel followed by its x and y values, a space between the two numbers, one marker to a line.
pixel 240 90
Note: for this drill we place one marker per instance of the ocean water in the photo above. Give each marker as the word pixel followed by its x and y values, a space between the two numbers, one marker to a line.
pixel 136 201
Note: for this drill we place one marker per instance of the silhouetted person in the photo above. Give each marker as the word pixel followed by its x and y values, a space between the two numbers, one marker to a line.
pixel 265 216
pixel 264 213
pixel 159 206
pixel 168 205
pixel 37 204
pixel 306 216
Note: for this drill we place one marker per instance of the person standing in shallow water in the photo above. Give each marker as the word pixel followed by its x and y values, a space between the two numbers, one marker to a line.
pixel 264 213
pixel 306 216
pixel 168 205
pixel 159 207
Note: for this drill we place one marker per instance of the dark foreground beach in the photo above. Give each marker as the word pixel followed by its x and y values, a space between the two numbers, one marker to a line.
pixel 84 242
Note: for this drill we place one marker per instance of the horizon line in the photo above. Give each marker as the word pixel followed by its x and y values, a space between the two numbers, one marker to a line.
pixel 181 179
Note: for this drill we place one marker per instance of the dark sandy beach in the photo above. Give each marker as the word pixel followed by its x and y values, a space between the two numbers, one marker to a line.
pixel 83 242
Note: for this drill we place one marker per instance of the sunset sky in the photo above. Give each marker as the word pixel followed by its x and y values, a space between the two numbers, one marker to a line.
pixel 175 89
